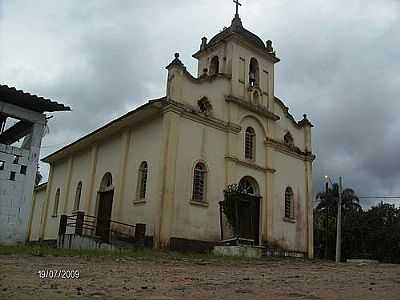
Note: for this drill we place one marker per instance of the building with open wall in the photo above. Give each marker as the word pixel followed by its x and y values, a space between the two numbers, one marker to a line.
pixel 22 123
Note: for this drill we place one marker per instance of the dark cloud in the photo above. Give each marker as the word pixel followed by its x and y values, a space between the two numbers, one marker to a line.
pixel 339 65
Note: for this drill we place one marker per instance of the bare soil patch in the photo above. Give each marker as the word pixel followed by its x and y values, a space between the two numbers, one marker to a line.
pixel 181 277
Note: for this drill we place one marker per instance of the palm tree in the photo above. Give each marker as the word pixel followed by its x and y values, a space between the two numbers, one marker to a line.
pixel 350 200
pixel 326 214
pixel 329 199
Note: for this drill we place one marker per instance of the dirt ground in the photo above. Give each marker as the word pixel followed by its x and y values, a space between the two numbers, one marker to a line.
pixel 144 278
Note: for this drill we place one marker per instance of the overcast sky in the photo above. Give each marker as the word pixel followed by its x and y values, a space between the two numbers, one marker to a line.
pixel 340 64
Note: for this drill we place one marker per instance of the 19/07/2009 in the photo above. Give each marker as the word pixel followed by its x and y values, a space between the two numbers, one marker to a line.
pixel 61 274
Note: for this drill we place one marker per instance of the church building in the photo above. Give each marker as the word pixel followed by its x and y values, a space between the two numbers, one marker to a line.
pixel 167 163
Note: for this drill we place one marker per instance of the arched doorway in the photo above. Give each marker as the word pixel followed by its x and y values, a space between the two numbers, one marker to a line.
pixel 105 202
pixel 249 209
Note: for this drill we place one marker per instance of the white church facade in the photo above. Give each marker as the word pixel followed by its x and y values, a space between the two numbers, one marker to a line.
pixel 167 163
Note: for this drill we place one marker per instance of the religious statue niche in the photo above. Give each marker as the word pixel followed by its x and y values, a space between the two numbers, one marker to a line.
pixel 288 139
pixel 205 106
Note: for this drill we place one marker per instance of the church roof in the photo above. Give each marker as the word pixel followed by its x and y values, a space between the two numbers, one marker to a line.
pixel 237 27
pixel 113 127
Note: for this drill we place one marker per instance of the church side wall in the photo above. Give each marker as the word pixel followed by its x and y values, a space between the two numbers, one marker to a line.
pixel 145 145
pixel 108 158
pixel 79 173
pixel 77 168
pixel 52 221
pixel 68 173
pixel 39 197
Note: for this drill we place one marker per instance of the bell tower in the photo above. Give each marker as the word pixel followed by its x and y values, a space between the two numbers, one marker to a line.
pixel 243 57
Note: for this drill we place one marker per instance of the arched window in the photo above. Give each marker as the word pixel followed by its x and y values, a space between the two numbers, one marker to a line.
pixel 249 185
pixel 142 181
pixel 78 194
pixel 199 182
pixel 249 144
pixel 106 183
pixel 56 203
pixel 214 65
pixel 254 73
pixel 289 203
pixel 288 139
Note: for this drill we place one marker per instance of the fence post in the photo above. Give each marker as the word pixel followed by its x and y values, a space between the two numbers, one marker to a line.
pixel 140 232
pixel 63 225
pixel 221 224
pixel 80 216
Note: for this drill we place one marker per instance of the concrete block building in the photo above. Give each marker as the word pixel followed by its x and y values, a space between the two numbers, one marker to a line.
pixel 22 123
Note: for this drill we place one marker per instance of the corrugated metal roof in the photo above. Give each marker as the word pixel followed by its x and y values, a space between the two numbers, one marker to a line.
pixel 32 102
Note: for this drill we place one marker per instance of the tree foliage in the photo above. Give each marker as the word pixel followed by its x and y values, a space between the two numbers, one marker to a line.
pixel 231 196
pixel 369 234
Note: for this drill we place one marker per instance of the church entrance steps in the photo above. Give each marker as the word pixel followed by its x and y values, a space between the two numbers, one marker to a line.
pixel 74 241
pixel 242 250
pixel 81 231
pixel 277 252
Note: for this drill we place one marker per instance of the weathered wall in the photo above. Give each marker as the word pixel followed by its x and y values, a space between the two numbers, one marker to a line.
pixel 290 234
pixel 198 142
pixel 13 197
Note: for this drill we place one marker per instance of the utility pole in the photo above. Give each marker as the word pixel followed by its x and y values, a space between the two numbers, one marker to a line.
pixel 339 223
pixel 326 218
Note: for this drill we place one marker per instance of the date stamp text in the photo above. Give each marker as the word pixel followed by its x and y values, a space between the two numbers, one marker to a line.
pixel 58 274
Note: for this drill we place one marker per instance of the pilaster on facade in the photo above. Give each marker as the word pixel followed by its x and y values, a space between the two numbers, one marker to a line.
pixel 309 209
pixel 93 167
pixel 171 123
pixel 67 185
pixel 121 176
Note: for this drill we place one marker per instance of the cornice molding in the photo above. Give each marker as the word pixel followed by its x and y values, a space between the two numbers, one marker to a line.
pixel 301 124
pixel 256 108
pixel 241 41
pixel 249 164
pixel 290 150
pixel 189 112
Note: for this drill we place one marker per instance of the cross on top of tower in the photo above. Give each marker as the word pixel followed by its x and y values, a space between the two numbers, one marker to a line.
pixel 237 6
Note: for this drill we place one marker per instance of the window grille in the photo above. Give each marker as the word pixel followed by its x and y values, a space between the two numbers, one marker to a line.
pixel 199 182
pixel 289 211
pixel 142 184
pixel 56 202
pixel 78 196
pixel 250 143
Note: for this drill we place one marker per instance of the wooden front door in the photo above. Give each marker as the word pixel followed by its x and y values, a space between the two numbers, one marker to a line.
pixel 249 217
pixel 104 215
